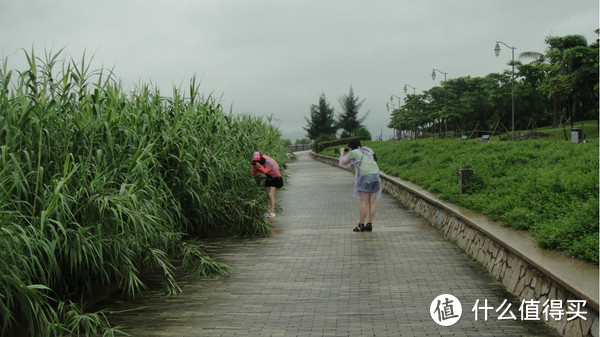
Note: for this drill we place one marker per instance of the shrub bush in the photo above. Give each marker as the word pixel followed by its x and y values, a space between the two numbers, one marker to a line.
pixel 318 147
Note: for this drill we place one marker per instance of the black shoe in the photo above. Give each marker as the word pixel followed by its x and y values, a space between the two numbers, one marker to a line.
pixel 368 227
pixel 359 228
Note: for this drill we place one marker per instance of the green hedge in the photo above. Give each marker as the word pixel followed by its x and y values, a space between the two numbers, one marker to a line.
pixel 318 147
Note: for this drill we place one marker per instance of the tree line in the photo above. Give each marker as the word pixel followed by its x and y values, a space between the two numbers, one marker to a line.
pixel 323 123
pixel 558 87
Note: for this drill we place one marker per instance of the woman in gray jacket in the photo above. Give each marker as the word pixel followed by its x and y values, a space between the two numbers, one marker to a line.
pixel 367 184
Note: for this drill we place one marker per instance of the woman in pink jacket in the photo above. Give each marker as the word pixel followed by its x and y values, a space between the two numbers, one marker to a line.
pixel 266 165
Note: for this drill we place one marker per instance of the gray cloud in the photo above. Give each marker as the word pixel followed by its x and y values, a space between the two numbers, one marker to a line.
pixel 270 57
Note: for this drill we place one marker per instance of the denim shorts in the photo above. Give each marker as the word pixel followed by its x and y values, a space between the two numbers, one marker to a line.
pixel 369 183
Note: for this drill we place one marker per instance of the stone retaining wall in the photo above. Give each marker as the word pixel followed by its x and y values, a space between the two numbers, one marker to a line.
pixel 521 276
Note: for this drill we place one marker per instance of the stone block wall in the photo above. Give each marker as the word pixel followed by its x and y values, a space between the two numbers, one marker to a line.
pixel 521 277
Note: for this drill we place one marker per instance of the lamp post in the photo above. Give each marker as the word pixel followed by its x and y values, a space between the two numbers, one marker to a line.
pixel 387 106
pixel 399 104
pixel 414 93
pixel 497 52
pixel 445 96
pixel 441 72
pixel 398 97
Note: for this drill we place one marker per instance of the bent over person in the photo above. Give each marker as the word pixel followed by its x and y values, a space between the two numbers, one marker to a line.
pixel 367 184
pixel 266 165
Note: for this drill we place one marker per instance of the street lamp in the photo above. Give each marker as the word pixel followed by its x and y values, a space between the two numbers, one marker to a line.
pixel 445 96
pixel 414 93
pixel 387 106
pixel 497 52
pixel 441 72
pixel 399 104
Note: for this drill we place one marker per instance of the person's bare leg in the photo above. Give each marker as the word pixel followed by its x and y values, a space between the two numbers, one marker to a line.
pixel 271 199
pixel 372 206
pixel 364 206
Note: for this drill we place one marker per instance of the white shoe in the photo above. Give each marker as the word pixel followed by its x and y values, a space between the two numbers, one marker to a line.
pixel 269 215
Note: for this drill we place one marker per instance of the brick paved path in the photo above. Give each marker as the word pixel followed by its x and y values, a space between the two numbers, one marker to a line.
pixel 315 277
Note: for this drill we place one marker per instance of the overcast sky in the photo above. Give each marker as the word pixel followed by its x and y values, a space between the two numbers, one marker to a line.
pixel 276 57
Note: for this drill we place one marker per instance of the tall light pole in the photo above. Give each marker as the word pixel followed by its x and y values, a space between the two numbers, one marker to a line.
pixel 441 72
pixel 399 104
pixel 387 106
pixel 497 51
pixel 414 93
pixel 445 96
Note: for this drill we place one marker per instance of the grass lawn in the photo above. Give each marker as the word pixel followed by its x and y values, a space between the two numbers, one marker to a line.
pixel 548 186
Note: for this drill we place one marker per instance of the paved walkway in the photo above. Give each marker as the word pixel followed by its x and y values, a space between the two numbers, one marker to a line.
pixel 315 277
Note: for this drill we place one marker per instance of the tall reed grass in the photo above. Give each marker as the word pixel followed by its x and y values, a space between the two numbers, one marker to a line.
pixel 98 185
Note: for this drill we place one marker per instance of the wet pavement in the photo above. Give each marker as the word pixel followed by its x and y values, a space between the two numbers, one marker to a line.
pixel 314 276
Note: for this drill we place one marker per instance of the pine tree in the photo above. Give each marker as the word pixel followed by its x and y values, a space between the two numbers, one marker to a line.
pixel 322 121
pixel 348 119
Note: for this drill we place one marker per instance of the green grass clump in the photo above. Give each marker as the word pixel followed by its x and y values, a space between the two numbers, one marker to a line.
pixel 547 186
pixel 98 185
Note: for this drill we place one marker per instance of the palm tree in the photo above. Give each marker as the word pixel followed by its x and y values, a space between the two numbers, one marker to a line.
pixel 537 57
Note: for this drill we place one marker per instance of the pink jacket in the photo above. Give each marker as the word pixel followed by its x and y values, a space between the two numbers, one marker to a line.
pixel 270 168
